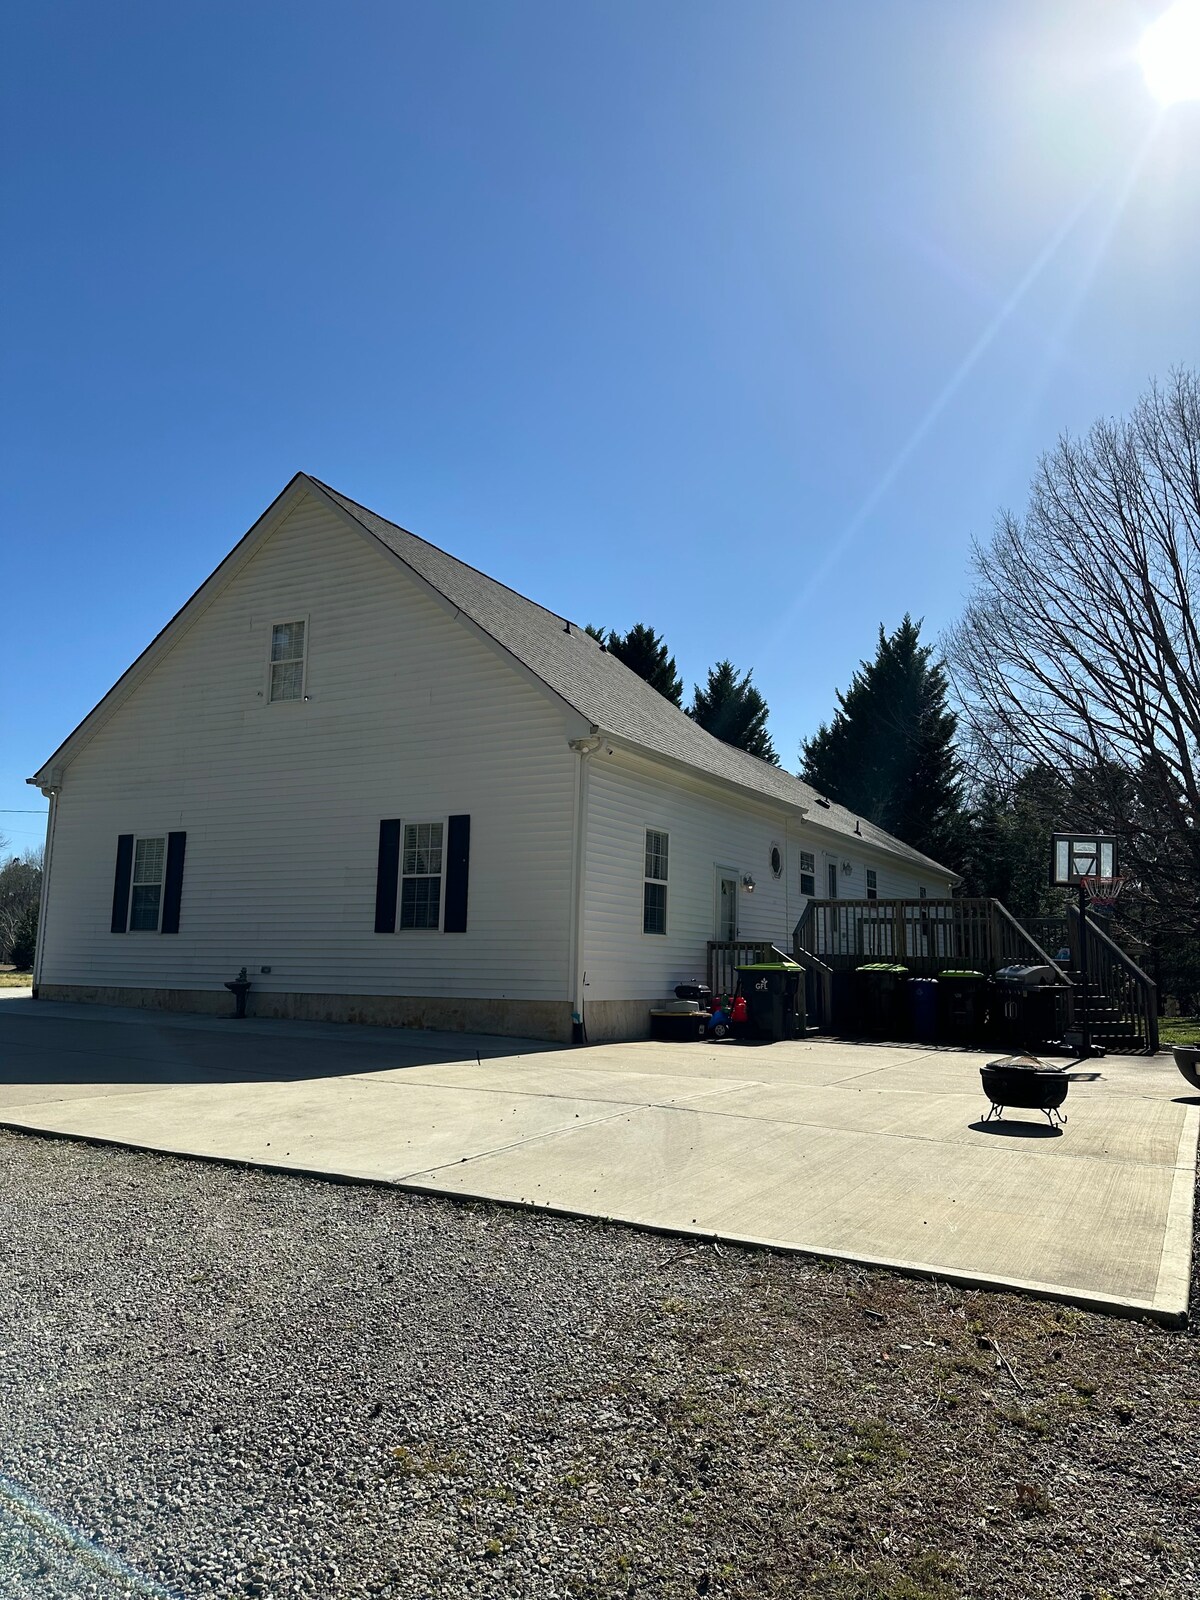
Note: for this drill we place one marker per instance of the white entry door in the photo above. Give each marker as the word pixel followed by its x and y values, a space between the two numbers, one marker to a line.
pixel 727 890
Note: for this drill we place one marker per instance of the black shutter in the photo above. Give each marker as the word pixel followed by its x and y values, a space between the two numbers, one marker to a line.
pixel 458 866
pixel 173 883
pixel 124 873
pixel 386 876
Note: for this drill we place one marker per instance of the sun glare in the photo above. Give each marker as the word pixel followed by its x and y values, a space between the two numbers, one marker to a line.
pixel 1170 54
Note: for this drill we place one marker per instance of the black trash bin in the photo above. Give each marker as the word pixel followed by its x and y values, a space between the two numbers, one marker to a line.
pixel 923 1009
pixel 881 1000
pixel 774 995
pixel 962 1006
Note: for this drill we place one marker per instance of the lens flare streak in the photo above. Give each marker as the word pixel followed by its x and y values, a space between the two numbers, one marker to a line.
pixel 58 1548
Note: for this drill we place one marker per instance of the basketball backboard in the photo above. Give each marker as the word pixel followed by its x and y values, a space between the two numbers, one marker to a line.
pixel 1081 855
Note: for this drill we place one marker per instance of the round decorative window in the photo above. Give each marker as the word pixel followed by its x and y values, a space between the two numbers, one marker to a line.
pixel 776 861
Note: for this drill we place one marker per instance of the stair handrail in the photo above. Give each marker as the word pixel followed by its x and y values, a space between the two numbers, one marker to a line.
pixel 822 973
pixel 1122 959
pixel 1049 961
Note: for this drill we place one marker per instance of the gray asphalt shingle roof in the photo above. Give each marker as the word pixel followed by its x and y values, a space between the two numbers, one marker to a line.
pixel 603 689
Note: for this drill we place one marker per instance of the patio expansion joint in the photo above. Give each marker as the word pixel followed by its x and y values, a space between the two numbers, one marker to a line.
pixel 516 1144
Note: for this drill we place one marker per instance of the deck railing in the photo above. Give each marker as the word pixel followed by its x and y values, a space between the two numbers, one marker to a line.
pixel 926 936
pixel 726 955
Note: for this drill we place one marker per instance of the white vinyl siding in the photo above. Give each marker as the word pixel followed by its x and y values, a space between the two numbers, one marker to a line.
pixel 410 715
pixel 706 834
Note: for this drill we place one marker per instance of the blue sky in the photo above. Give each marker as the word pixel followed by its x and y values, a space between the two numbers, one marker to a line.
pixel 741 319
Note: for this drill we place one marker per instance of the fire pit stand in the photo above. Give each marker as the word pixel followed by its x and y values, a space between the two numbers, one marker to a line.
pixel 1024 1082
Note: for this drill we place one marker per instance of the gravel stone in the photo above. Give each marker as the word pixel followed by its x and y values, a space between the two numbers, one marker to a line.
pixel 217 1382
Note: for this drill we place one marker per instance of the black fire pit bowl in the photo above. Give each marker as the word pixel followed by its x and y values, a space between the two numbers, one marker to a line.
pixel 1023 1081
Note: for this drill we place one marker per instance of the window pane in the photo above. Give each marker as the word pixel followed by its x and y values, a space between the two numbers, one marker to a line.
pixel 143 912
pixel 287 680
pixel 654 908
pixel 148 861
pixel 807 861
pixel 656 854
pixel 808 883
pixel 420 902
pixel 422 847
pixel 287 641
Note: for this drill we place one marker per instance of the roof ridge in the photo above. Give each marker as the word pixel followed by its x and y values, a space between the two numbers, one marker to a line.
pixel 449 555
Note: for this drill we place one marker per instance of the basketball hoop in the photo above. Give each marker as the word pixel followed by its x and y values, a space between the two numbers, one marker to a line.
pixel 1102 893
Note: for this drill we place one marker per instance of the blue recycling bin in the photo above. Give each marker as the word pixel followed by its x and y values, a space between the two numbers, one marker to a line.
pixel 923 1008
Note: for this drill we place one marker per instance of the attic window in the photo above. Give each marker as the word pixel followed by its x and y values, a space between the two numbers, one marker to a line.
pixel 288 640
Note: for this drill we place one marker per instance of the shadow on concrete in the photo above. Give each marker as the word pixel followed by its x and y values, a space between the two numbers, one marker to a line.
pixel 1019 1130
pixel 52 1043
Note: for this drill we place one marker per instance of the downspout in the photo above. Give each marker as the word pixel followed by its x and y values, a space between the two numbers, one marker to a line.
pixel 47 858
pixel 583 748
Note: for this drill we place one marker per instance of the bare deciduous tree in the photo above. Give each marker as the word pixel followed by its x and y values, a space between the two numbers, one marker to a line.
pixel 20 889
pixel 1079 647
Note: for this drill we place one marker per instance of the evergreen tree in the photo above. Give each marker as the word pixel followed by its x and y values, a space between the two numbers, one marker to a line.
pixel 596 633
pixel 888 754
pixel 1006 852
pixel 643 651
pixel 731 709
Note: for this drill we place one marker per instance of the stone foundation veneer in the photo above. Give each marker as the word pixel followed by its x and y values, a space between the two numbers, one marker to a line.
pixel 522 1019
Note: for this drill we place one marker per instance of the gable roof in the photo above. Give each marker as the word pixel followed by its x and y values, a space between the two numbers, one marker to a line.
pixel 568 661
pixel 604 690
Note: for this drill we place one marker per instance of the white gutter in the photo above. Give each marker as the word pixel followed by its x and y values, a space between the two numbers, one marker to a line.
pixel 583 748
pixel 43 905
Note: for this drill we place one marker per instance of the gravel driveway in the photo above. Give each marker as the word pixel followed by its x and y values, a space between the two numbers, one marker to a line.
pixel 226 1382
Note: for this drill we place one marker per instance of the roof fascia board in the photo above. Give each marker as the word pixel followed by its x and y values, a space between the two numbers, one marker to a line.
pixel 706 780
pixel 868 848
pixel 500 651
pixel 796 811
pixel 52 772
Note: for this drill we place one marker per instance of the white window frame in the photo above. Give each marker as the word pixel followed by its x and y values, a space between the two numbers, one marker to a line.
pixel 284 622
pixel 416 822
pixel 872 883
pixel 663 883
pixel 810 855
pixel 144 838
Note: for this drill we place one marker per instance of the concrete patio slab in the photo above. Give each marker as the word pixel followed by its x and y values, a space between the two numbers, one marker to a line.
pixel 874 1153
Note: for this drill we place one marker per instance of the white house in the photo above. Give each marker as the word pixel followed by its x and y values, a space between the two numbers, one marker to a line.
pixel 396 791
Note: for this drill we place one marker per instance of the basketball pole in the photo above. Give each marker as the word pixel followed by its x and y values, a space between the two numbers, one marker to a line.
pixel 1086 1026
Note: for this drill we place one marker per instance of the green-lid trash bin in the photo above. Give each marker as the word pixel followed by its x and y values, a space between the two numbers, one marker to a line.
pixel 962 1006
pixel 881 1000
